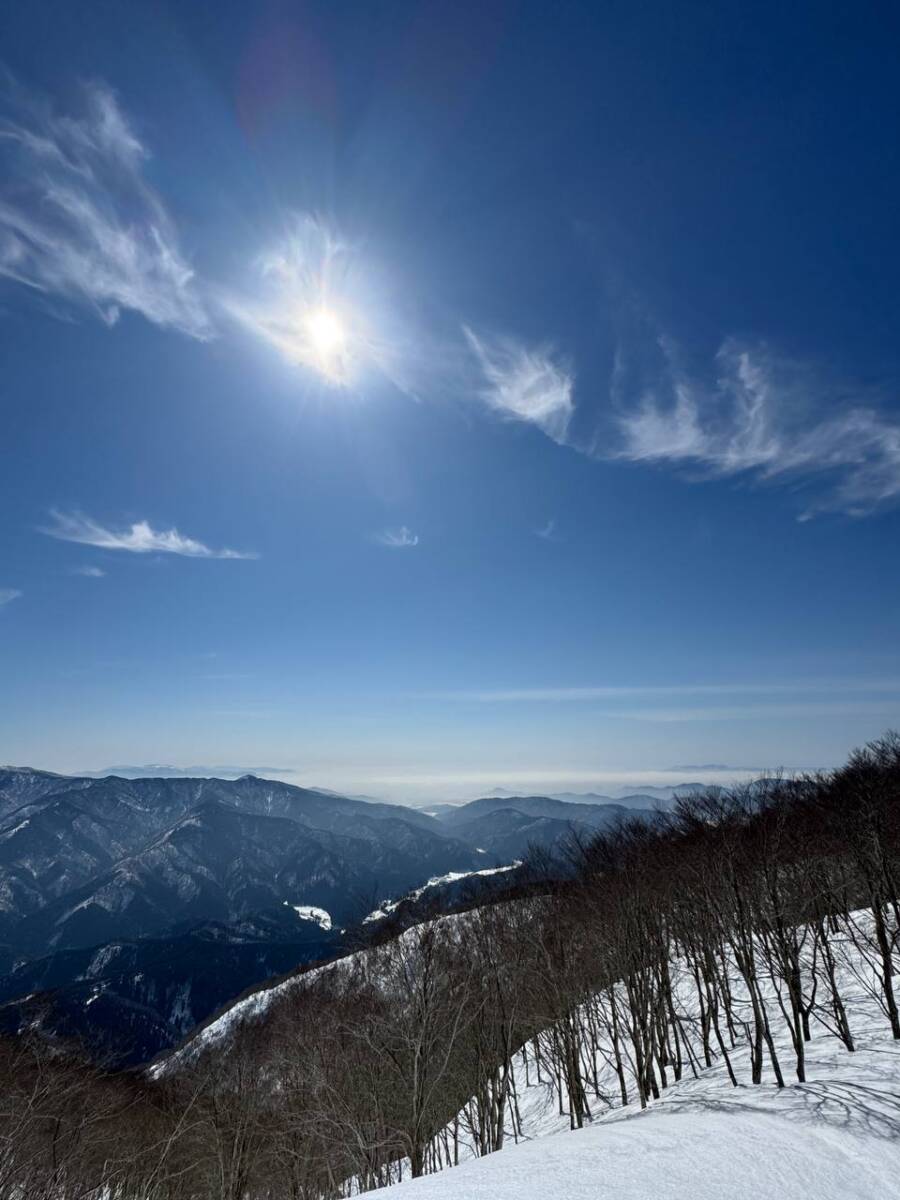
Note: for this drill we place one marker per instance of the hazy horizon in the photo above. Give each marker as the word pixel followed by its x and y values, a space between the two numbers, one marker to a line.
pixel 460 786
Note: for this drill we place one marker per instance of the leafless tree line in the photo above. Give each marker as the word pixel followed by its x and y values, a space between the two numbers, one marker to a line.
pixel 731 924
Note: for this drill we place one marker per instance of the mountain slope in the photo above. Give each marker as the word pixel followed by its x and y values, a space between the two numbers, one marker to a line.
pixel 508 827
pixel 84 861
pixel 597 815
pixel 22 786
pixel 128 1000
pixel 222 864
pixel 833 1136
pixel 89 866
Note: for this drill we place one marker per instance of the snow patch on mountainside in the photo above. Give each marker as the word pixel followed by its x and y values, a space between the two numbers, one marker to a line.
pixel 309 912
pixel 8 833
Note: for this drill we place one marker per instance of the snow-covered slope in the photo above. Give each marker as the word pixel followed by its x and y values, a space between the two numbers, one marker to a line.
pixel 693 1148
pixel 836 1137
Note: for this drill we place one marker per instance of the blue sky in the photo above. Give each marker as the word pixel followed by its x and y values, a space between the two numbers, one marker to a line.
pixel 424 396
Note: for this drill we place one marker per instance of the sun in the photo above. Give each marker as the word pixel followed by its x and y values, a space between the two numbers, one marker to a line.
pixel 325 338
pixel 326 332
pixel 325 344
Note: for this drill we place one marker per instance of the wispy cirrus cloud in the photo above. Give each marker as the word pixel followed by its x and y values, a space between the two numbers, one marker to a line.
pixel 397 539
pixel 78 220
pixel 805 709
pixel 771 419
pixel 756 414
pixel 740 701
pixel 547 531
pixel 603 692
pixel 138 538
pixel 9 594
pixel 89 572
pixel 523 383
pixel 82 227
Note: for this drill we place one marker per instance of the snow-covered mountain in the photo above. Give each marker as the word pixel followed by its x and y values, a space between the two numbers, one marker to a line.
pixel 158 899
pixel 133 874
pixel 84 861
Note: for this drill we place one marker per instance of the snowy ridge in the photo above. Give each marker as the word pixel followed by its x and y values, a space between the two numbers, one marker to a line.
pixel 389 906
pixel 253 1008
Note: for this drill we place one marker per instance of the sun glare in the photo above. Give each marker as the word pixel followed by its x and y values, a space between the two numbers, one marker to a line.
pixel 326 333
pixel 323 344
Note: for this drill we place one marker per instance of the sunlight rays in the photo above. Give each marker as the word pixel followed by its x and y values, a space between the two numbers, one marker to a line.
pixel 310 303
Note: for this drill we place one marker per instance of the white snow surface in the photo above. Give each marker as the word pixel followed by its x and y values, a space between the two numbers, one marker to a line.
pixel 690 1148
pixel 8 833
pixel 309 912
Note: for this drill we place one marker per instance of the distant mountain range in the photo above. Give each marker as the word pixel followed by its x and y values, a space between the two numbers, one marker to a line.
pixel 647 796
pixel 619 794
pixel 163 771
pixel 130 908
pixel 507 826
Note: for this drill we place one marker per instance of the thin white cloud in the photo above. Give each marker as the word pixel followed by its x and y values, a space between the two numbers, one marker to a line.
pixel 770 419
pixel 79 222
pixel 763 712
pixel 89 572
pixel 397 539
pixel 8 594
pixel 563 695
pixel 139 538
pixel 547 531
pixel 523 384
